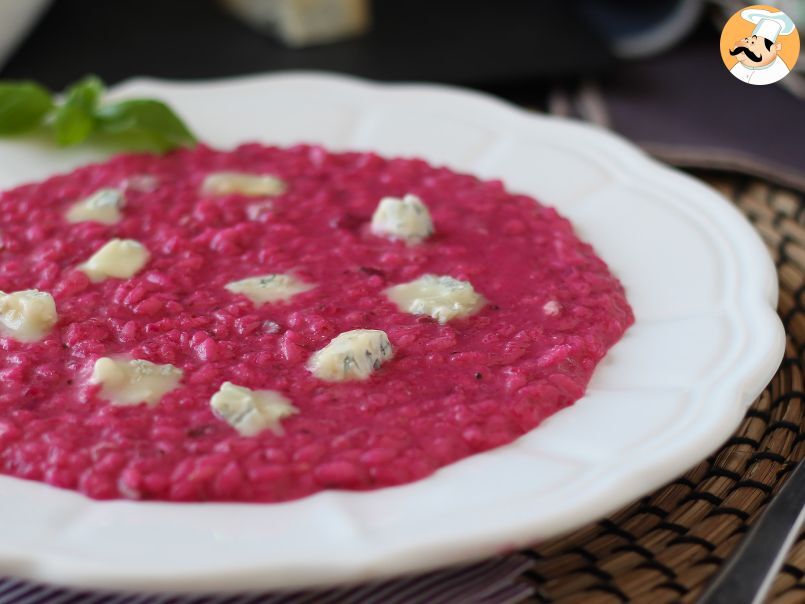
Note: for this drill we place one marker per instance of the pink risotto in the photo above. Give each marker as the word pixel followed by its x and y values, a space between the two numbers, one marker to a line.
pixel 552 310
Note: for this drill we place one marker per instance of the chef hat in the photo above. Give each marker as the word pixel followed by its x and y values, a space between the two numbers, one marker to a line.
pixel 769 24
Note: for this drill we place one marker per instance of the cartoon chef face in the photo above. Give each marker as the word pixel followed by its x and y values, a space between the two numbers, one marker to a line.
pixel 755 51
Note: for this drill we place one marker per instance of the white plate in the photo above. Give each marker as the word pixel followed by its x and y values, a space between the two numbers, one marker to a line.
pixel 706 341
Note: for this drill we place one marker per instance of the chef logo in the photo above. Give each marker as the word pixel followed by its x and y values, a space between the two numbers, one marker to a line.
pixel 759 45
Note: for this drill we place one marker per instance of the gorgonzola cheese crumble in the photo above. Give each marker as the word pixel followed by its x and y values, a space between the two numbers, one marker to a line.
pixel 251 411
pixel 242 183
pixel 440 297
pixel 352 355
pixel 552 308
pixel 119 258
pixel 142 183
pixel 131 381
pixel 102 206
pixel 269 288
pixel 27 315
pixel 407 219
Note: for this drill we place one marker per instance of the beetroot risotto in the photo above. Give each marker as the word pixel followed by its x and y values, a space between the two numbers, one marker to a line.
pixel 266 323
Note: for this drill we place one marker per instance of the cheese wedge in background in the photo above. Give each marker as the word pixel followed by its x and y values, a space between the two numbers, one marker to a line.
pixel 300 23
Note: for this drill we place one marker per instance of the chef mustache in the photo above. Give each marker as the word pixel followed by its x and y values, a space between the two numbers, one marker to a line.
pixel 743 49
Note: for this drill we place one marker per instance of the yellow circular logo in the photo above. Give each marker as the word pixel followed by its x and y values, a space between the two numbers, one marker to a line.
pixel 760 45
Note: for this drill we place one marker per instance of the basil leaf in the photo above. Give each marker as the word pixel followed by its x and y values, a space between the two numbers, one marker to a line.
pixel 23 106
pixel 150 120
pixel 137 124
pixel 87 92
pixel 74 120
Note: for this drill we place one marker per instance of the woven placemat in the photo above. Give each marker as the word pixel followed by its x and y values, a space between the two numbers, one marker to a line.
pixel 667 546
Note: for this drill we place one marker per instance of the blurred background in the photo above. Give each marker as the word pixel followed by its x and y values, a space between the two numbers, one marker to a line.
pixel 649 70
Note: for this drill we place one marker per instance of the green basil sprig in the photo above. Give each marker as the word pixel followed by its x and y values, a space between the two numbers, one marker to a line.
pixel 80 113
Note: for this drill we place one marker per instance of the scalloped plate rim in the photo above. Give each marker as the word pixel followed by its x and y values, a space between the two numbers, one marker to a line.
pixel 756 362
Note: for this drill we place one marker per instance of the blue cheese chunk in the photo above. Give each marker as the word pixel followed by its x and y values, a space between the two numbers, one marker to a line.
pixel 118 258
pixel 269 288
pixel 552 308
pixel 352 355
pixel 126 381
pixel 102 206
pixel 242 183
pixel 142 183
pixel 27 315
pixel 407 219
pixel 440 297
pixel 251 411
